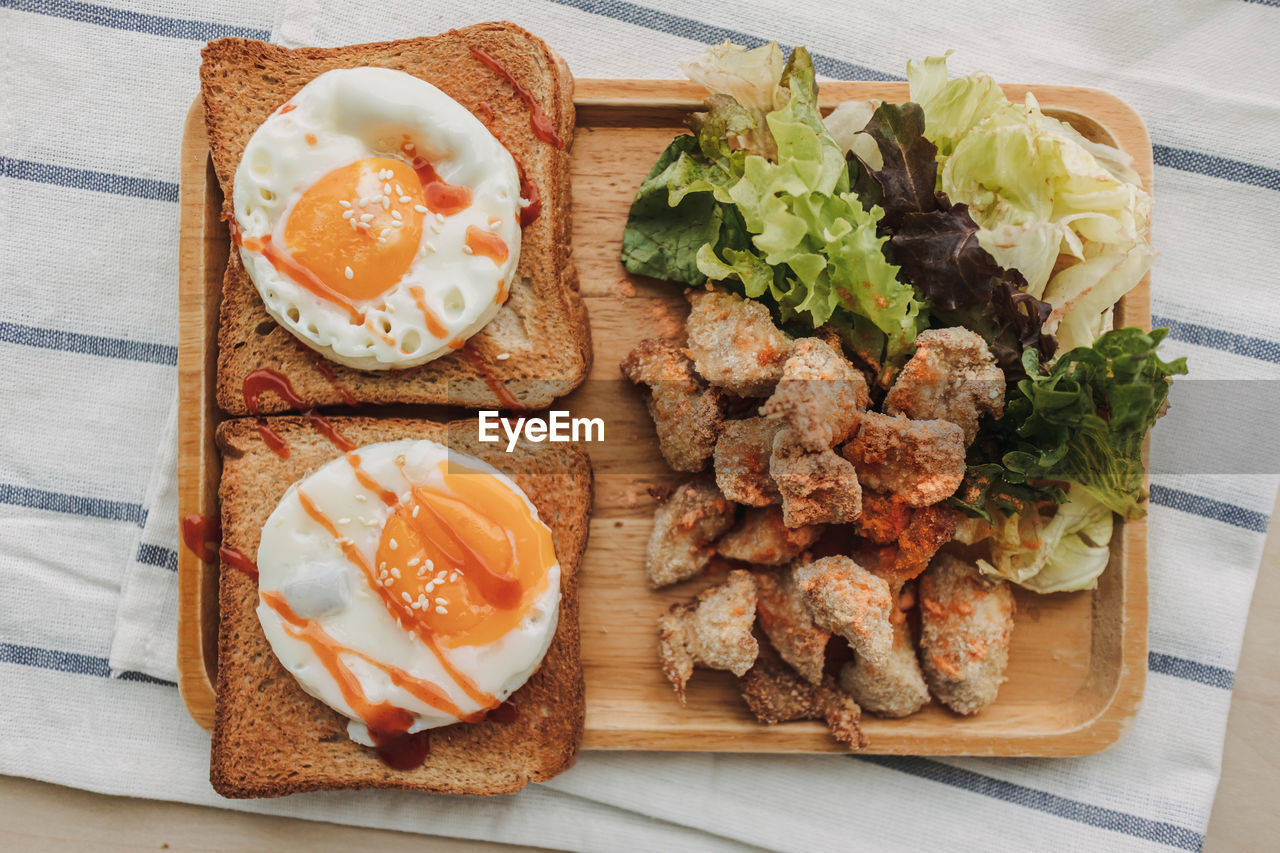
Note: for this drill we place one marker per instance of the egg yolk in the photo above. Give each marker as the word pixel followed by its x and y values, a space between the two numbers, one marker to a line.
pixel 358 228
pixel 465 562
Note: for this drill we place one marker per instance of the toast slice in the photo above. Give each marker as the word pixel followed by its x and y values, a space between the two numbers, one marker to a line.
pixel 270 738
pixel 542 327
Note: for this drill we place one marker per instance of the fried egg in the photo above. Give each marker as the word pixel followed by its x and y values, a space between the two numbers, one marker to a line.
pixel 407 587
pixel 378 218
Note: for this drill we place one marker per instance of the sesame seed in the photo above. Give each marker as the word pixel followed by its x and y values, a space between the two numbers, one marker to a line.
pixel 398 190
pixel 384 233
pixel 443 600
pixel 393 544
pixel 406 597
pixel 382 565
pixel 350 273
pixel 493 226
pixel 386 189
pixel 395 573
pixel 344 202
pixel 348 214
pixel 353 224
pixel 364 225
pixel 453 577
pixel 395 214
pixel 344 521
pixel 386 203
pixel 417 605
pixel 440 218
pixel 366 217
pixel 503 356
pixel 360 498
pixel 413 562
pixel 404 199
pixel 429 586
pixel 408 146
pixel 397 222
pixel 422 571
pixel 441 610
pixel 416 509
pixel 421 208
pixel 467 249
pixel 431 247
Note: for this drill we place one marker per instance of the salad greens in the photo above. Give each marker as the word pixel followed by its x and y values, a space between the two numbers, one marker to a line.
pixel 959 208
pixel 760 198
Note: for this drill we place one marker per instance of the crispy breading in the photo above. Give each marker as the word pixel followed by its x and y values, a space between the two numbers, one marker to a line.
pixel 893 689
pixel 761 537
pixel 920 462
pixel 816 488
pixel 966 622
pixel 713 630
pixel 686 413
pixel 742 461
pixel 883 518
pixel 775 695
pixel 734 343
pixel 931 527
pixel 786 621
pixel 683 529
pixel 820 395
pixel 951 377
pixel 846 599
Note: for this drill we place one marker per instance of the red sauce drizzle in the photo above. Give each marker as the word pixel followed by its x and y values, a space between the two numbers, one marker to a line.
pixel 440 197
pixel 237 560
pixel 543 127
pixel 486 244
pixel 434 326
pixel 325 370
pixel 500 590
pixel 363 478
pixel 402 751
pixel 198 533
pixel 485 110
pixel 507 712
pixel 505 398
pixel 288 108
pixel 260 381
pixel 528 189
pixel 287 266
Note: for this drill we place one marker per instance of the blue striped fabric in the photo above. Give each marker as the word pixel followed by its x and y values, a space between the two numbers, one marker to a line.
pixel 180 31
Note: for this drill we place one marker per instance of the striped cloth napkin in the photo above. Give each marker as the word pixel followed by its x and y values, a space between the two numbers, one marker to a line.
pixel 92 109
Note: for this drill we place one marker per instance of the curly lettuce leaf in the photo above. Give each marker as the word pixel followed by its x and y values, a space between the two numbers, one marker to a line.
pixel 1064 552
pixel 1084 421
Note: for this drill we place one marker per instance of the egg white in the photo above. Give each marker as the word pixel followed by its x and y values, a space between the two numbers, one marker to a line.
pixel 295 546
pixel 358 113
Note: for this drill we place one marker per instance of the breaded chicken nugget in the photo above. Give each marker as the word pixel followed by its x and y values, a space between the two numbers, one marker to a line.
pixel 820 395
pixel 893 689
pixel 846 599
pixel 920 462
pixel 883 518
pixel 686 413
pixel 951 377
pixel 816 488
pixel 786 621
pixel 966 622
pixel 742 461
pixel 775 695
pixel 713 630
pixel 760 537
pixel 734 343
pixel 683 529
pixel 930 528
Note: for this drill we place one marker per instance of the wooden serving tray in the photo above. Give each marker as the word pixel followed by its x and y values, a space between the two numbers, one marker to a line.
pixel 1078 663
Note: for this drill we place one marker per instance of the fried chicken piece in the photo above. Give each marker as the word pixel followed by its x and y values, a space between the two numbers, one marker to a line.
pixel 930 528
pixel 713 631
pixel 683 529
pixel 920 462
pixel 742 461
pixel 775 695
pixel 893 689
pixel 816 488
pixel 820 395
pixel 760 537
pixel 686 413
pixel 734 343
pixel 951 377
pixel 883 518
pixel 786 621
pixel 846 599
pixel 966 622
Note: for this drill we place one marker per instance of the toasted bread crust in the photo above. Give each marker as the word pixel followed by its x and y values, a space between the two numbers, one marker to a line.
pixel 543 324
pixel 271 739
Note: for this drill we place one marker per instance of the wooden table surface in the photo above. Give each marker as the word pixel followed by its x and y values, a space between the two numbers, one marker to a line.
pixel 38 816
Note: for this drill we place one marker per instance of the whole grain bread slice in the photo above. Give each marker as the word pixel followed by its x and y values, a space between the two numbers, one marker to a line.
pixel 271 739
pixel 543 325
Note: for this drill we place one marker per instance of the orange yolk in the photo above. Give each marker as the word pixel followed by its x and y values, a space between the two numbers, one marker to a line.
pixel 357 229
pixel 465 562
